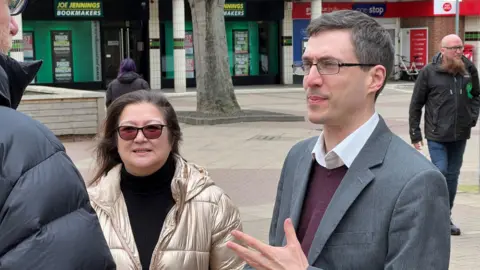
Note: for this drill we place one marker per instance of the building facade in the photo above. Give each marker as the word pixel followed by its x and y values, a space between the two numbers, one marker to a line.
pixel 253 42
pixel 82 42
pixel 416 26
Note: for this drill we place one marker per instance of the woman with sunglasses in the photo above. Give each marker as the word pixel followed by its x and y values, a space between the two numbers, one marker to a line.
pixel 157 210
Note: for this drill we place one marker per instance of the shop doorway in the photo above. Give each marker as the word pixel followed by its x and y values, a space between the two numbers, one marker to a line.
pixel 122 40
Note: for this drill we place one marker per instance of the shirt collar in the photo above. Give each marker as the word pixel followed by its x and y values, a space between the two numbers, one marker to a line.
pixel 347 150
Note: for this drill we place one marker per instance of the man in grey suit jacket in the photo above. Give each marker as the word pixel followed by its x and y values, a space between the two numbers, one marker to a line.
pixel 357 196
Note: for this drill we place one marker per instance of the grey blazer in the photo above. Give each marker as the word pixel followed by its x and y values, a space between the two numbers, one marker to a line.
pixel 391 210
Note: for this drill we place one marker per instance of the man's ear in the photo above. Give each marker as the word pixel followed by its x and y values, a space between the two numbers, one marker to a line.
pixel 377 77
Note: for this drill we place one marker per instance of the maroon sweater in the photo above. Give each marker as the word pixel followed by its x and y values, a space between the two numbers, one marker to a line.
pixel 322 185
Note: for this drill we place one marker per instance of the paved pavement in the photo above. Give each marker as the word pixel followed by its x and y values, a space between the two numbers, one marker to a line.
pixel 245 159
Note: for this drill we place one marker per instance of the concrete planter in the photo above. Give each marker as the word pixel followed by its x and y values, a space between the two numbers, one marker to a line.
pixel 65 111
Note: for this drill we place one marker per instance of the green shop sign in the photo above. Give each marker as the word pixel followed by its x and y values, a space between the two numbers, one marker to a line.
pixel 78 8
pixel 236 9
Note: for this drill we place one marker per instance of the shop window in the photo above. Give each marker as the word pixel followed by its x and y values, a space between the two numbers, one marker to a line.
pixel 189 55
pixel 253 48
pixel 70 50
pixel 263 47
pixel 241 53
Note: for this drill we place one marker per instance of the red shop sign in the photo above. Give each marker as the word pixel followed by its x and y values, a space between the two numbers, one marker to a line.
pixel 302 10
pixel 418 47
pixel 447 6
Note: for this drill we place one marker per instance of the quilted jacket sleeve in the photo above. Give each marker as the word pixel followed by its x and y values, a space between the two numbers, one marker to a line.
pixel 46 221
pixel 227 220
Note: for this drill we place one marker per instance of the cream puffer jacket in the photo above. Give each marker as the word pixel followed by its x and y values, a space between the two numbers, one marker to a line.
pixel 195 231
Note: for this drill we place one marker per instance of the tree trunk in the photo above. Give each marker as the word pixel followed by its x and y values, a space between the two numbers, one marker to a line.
pixel 215 93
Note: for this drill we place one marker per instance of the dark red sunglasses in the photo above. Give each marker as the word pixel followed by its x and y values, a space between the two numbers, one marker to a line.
pixel 150 132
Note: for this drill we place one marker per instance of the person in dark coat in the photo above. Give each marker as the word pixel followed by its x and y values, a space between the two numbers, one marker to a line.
pixel 46 219
pixel 128 80
pixel 448 90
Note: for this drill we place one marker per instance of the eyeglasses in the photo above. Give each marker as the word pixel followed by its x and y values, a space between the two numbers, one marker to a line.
pixel 329 67
pixel 17 6
pixel 150 132
pixel 454 48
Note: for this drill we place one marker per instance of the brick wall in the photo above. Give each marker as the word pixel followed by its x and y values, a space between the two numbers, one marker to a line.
pixel 438 27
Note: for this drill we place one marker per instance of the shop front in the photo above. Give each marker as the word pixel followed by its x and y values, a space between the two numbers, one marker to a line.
pixel 301 15
pixel 416 27
pixel 82 43
pixel 436 19
pixel 253 42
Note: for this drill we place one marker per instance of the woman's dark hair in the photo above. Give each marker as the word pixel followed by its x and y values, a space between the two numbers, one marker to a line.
pixel 127 65
pixel 106 149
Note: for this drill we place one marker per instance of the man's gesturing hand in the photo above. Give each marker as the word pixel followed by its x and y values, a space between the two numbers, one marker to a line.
pixel 289 257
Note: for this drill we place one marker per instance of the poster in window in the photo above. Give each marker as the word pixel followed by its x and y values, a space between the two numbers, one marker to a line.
pixel 62 56
pixel 189 55
pixel 190 66
pixel 241 64
pixel 418 47
pixel 240 40
pixel 28 53
pixel 241 56
pixel 28 48
pixel 189 42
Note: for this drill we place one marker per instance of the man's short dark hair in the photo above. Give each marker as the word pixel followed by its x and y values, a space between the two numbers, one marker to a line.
pixel 372 42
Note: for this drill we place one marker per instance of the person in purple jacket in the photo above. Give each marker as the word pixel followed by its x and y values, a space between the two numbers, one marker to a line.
pixel 128 80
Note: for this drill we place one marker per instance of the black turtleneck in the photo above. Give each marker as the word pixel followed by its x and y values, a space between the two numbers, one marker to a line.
pixel 148 200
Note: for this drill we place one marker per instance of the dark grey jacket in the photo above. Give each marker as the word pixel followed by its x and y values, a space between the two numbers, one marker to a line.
pixel 382 216
pixel 451 103
pixel 46 221
pixel 126 83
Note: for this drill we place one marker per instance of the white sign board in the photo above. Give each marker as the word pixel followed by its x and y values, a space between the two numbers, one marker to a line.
pixel 444 7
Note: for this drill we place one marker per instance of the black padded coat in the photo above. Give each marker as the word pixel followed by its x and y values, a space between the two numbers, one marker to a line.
pixel 46 221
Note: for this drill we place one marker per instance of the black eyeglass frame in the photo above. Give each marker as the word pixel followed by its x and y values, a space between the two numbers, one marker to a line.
pixel 142 129
pixel 19 9
pixel 454 48
pixel 338 63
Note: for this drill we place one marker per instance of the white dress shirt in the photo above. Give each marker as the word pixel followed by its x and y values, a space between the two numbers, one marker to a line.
pixel 347 150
